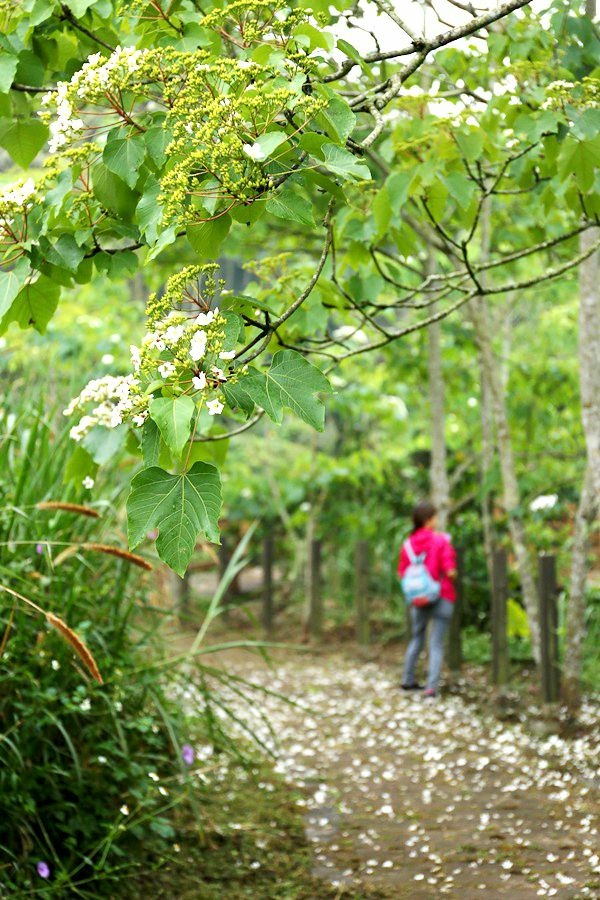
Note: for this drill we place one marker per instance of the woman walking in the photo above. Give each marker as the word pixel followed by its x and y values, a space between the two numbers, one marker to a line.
pixel 427 568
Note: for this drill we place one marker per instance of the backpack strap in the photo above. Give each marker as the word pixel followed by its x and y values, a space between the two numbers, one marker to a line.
pixel 409 551
pixel 412 556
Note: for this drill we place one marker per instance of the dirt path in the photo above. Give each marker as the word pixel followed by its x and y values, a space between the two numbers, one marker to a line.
pixel 405 798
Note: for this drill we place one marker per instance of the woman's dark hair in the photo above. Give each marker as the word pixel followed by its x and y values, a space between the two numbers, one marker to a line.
pixel 422 513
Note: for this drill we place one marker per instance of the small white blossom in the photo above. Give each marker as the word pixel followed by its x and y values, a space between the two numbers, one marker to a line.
pixel 227 354
pixel 199 381
pixel 124 810
pixel 167 369
pixel 198 345
pixel 219 374
pixel 214 407
pixel 88 483
pixel 254 151
pixel 136 359
pixel 55 665
pixel 85 704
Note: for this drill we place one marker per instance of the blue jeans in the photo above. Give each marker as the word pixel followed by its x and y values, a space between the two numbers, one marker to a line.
pixel 439 614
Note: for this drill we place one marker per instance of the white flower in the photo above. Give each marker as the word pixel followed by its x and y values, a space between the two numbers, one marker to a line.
pixel 244 64
pixel 254 151
pixel 85 704
pixel 153 776
pixel 140 418
pixel 173 333
pixel 88 483
pixel 218 373
pixel 124 810
pixel 199 381
pixel 214 407
pixel 167 369
pixel 102 760
pixel 55 665
pixel 119 706
pixel 227 354
pixel 544 501
pixel 107 359
pixel 198 345
pixel 136 358
pixel 205 318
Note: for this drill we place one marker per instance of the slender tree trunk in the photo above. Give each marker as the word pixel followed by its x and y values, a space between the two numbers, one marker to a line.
pixel 440 488
pixel 589 354
pixel 487 419
pixel 510 485
pixel 589 387
pixel 575 619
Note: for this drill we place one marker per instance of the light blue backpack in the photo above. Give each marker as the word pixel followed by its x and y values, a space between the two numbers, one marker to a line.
pixel 418 584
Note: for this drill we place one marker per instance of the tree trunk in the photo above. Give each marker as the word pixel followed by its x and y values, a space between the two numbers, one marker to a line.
pixel 487 419
pixel 440 489
pixel 589 387
pixel 511 494
pixel 589 354
pixel 575 619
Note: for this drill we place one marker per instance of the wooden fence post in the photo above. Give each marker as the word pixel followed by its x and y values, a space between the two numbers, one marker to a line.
pixel 315 598
pixel 361 593
pixel 455 658
pixel 549 662
pixel 500 665
pixel 267 596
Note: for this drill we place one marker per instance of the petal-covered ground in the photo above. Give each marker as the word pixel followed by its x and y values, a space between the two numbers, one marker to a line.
pixel 409 798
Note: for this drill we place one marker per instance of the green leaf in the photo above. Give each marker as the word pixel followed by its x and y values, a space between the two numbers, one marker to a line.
pixel 79 466
pixel 35 304
pixel 337 119
pixel 8 67
pixel 123 157
pixel 79 7
pixel 270 141
pixel 173 415
pixel 398 185
pixel 157 140
pixel 290 205
pixel 150 443
pixel 180 506
pixel 290 382
pixel 342 162
pixel 206 237
pixel 112 192
pixel 23 140
pixel 470 144
pixel 580 158
pixel 11 283
pixel 460 187
pixel 104 443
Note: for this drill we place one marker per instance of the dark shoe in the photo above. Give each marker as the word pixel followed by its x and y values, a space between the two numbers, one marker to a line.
pixel 412 687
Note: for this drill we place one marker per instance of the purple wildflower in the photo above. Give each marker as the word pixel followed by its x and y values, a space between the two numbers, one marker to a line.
pixel 43 869
pixel 39 548
pixel 187 754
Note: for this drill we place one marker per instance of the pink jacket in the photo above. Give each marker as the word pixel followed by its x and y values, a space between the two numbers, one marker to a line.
pixel 440 559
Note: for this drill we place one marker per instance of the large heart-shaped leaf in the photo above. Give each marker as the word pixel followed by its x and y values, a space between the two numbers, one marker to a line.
pixel 35 304
pixel 173 415
pixel 290 382
pixel 11 283
pixel 180 506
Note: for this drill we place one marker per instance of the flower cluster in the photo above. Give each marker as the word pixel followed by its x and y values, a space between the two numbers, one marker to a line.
pixel 581 94
pixel 89 84
pixel 16 199
pixel 117 398
pixel 185 351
